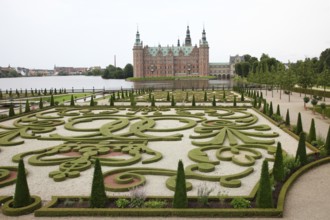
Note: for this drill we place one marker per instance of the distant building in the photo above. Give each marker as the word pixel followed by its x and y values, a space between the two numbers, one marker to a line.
pixel 40 72
pixel 225 70
pixel 70 70
pixel 180 60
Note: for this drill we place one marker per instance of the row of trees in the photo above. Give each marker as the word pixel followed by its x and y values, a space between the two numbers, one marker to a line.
pixel 112 72
pixel 270 72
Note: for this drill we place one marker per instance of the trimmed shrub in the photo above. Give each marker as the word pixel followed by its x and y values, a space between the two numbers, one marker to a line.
pixel 312 132
pixel 112 100
pixel 301 155
pixel 242 97
pixel 255 102
pixel 299 125
pixel 41 104
pixel 271 111
pixel 172 101
pixel 153 101
pixel 168 96
pixel 193 102
pixel 278 111
pixel 72 101
pixel 306 100
pixel 265 107
pixel 327 143
pixel 22 194
pixel 287 118
pixel 264 196
pixel 278 170
pixel 52 103
pixel 205 96
pixel 214 103
pixel 234 104
pixel 92 101
pixel 98 196
pixel 180 196
pixel 11 112
pixel 27 106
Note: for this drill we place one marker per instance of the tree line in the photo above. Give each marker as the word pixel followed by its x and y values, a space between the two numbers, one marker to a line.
pixel 271 72
pixel 112 72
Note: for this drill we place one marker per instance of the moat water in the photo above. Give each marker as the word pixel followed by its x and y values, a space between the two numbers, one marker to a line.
pixel 96 82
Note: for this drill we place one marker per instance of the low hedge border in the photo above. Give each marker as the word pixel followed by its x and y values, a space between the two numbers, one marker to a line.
pixel 7 208
pixel 195 212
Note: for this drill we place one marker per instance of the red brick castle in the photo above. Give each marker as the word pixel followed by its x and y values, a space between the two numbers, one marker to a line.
pixel 180 60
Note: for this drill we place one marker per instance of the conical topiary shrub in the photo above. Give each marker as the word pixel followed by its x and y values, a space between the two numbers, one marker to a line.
pixel 52 103
pixel 234 104
pixel 312 132
pixel 327 143
pixel 72 101
pixel 41 104
pixel 92 101
pixel 98 195
pixel 27 106
pixel 264 196
pixel 301 150
pixel 173 101
pixel 11 112
pixel 112 100
pixel 270 111
pixel 242 97
pixel 22 194
pixel 278 111
pixel 287 118
pixel 299 125
pixel 214 103
pixel 193 102
pixel 278 170
pixel 153 101
pixel 168 96
pixel 180 196
pixel 205 96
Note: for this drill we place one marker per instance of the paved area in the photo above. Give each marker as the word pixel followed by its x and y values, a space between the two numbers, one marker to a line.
pixel 308 198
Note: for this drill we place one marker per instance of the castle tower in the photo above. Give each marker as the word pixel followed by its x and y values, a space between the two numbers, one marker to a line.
pixel 188 39
pixel 203 55
pixel 138 56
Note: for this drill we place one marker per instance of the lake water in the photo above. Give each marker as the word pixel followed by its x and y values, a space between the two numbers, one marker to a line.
pixel 90 82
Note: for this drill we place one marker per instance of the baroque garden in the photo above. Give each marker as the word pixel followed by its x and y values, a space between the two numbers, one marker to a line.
pixel 226 140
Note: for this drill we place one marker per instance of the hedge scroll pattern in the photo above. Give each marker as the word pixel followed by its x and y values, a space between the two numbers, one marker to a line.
pixel 120 137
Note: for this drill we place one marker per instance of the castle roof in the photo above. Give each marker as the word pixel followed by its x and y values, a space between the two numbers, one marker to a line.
pixel 166 50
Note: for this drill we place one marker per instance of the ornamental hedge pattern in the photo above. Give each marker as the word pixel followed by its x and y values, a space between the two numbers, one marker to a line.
pixel 226 146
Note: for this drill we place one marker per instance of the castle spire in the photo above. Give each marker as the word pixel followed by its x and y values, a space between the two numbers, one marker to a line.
pixel 137 38
pixel 178 42
pixel 204 41
pixel 188 39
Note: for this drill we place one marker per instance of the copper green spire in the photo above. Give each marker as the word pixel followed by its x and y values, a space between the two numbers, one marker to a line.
pixel 188 39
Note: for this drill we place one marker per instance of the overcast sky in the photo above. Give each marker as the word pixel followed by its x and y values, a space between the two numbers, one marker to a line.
pixel 84 33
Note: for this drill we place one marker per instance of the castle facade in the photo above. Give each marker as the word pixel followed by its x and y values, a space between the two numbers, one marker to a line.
pixel 179 60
